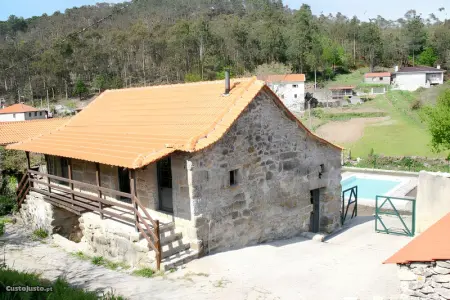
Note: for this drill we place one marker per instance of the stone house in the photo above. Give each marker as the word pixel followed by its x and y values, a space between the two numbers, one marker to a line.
pixel 412 78
pixel 21 112
pixel 424 264
pixel 220 168
pixel 290 88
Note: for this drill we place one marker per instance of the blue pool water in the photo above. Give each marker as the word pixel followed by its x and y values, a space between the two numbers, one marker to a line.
pixel 369 188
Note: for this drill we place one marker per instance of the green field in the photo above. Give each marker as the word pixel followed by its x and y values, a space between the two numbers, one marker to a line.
pixel 405 134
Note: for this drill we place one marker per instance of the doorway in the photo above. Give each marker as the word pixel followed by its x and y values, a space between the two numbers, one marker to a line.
pixel 164 169
pixel 315 214
pixel 124 183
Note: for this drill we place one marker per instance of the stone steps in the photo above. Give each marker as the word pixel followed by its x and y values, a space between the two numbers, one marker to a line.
pixel 179 259
pixel 174 247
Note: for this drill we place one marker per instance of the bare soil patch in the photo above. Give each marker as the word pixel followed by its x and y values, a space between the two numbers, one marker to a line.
pixel 348 131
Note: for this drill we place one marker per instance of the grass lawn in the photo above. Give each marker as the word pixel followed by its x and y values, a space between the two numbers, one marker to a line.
pixel 406 136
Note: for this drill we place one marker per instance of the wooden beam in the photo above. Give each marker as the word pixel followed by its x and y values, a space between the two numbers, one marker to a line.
pixel 97 177
pixel 132 174
pixel 48 172
pixel 158 246
pixel 69 166
pixel 28 159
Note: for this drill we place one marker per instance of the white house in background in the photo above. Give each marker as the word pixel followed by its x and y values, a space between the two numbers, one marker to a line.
pixel 290 88
pixel 21 112
pixel 412 78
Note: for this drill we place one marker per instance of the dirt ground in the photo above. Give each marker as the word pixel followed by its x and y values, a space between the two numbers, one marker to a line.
pixel 348 131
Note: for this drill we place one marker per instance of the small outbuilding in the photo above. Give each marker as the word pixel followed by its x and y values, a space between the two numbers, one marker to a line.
pixel 424 263
pixel 378 78
pixel 412 78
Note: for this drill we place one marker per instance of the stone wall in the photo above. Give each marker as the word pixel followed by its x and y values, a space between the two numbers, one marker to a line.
pixel 114 241
pixel 432 202
pixel 147 186
pixel 427 280
pixel 39 214
pixel 277 166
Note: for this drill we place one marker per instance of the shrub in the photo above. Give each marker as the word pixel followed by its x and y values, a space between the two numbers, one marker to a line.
pixel 2 228
pixel 40 234
pixel 318 113
pixel 98 260
pixel 60 289
pixel 417 104
pixel 144 272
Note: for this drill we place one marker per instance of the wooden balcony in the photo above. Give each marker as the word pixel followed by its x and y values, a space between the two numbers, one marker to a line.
pixel 60 192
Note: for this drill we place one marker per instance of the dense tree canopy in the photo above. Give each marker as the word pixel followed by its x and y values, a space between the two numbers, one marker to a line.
pixel 156 42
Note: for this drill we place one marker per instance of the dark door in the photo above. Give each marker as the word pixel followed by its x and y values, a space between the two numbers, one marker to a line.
pixel 124 182
pixel 315 216
pixel 165 185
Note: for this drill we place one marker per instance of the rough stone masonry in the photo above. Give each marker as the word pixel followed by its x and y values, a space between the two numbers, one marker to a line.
pixel 427 280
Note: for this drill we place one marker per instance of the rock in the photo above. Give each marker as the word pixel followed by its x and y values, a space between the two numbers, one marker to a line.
pixel 441 270
pixel 443 264
pixel 443 292
pixel 427 290
pixel 442 278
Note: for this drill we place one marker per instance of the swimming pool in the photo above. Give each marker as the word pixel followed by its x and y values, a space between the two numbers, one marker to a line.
pixel 369 188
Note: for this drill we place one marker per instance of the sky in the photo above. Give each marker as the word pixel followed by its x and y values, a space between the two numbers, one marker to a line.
pixel 389 9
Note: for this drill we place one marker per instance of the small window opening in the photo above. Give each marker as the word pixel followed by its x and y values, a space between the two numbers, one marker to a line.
pixel 29 114
pixel 35 113
pixel 233 177
pixel 40 113
pixel 295 96
pixel 381 78
pixel 295 86
pixel 14 116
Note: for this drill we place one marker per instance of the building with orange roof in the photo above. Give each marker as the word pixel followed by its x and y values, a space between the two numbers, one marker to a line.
pixel 378 78
pixel 21 112
pixel 424 263
pixel 13 132
pixel 186 169
pixel 290 88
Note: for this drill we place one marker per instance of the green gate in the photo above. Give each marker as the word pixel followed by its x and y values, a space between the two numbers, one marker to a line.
pixel 347 202
pixel 392 219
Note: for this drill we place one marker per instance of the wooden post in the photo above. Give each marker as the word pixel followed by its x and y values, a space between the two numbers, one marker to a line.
pixel 97 176
pixel 158 246
pixel 132 175
pixel 48 172
pixel 28 167
pixel 69 166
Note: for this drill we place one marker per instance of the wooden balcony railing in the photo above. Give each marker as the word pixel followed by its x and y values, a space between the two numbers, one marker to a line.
pixel 79 202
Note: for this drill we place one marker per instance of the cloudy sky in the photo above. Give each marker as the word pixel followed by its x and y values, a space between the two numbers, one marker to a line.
pixel 389 9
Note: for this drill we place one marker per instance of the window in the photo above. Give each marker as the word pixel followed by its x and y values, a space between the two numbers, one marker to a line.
pixel 295 96
pixel 14 116
pixel 233 177
pixel 29 114
pixel 35 113
pixel 295 85
pixel 40 113
pixel 381 78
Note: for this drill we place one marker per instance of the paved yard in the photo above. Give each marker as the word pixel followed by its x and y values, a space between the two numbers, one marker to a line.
pixel 346 265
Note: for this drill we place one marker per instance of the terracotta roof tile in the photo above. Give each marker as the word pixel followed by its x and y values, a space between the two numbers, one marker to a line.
pixel 432 244
pixel 381 74
pixel 18 108
pixel 13 132
pixel 134 127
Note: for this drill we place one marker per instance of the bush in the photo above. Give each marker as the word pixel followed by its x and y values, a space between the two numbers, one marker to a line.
pixel 417 104
pixel 98 260
pixel 318 113
pixel 2 228
pixel 60 289
pixel 40 233
pixel 145 272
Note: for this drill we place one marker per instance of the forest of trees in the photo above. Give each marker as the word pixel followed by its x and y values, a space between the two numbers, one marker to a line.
pixel 148 42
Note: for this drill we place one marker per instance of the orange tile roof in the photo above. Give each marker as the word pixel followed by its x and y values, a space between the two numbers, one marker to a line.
pixel 432 244
pixel 137 126
pixel 381 74
pixel 284 78
pixel 18 108
pixel 13 132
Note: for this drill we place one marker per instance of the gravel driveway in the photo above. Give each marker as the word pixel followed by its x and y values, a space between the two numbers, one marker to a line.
pixel 348 264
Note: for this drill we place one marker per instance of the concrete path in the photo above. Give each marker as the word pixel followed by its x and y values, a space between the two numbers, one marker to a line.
pixel 348 264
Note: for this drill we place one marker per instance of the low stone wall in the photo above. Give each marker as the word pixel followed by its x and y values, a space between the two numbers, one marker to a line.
pixel 428 280
pixel 39 214
pixel 114 241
